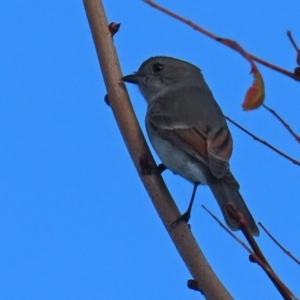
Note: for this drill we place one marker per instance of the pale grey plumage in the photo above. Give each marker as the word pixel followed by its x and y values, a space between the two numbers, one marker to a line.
pixel 188 131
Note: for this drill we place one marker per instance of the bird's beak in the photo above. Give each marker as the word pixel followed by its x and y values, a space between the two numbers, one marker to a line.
pixel 133 78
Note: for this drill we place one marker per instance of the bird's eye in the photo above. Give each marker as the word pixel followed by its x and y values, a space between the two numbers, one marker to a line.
pixel 157 68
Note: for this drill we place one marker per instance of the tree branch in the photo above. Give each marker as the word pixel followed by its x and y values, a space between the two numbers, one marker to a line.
pixel 295 75
pixel 256 138
pixel 288 253
pixel 283 122
pixel 256 254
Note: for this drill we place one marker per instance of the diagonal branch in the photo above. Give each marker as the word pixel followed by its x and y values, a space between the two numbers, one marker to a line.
pixel 294 161
pixel 182 237
pixel 288 253
pixel 283 122
pixel 213 36
pixel 256 254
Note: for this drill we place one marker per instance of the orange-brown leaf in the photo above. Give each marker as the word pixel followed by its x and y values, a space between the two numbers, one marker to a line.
pixel 256 93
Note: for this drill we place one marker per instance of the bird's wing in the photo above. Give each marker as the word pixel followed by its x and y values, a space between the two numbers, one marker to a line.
pixel 211 145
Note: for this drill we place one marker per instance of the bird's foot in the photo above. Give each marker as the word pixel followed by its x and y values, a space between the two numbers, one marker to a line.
pixel 147 169
pixel 183 218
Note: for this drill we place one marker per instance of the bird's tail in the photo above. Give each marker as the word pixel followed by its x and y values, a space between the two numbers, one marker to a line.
pixel 225 194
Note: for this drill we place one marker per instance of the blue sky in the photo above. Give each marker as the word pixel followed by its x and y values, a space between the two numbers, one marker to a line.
pixel 75 220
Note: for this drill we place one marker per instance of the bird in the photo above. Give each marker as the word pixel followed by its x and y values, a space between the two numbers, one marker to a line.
pixel 189 133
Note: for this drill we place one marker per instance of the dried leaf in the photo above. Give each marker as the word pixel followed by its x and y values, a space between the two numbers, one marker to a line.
pixel 256 93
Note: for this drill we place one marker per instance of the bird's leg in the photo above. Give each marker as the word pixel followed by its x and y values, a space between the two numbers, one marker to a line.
pixel 147 169
pixel 186 216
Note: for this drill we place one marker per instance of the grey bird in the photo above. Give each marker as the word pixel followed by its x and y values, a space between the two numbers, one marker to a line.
pixel 188 131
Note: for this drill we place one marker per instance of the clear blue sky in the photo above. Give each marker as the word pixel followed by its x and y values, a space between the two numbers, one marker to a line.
pixel 75 220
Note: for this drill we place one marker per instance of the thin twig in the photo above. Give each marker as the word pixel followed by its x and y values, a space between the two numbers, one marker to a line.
pixel 236 215
pixel 278 244
pixel 257 256
pixel 297 69
pixel 213 36
pixel 283 122
pixel 289 34
pixel 294 161
pixel 227 230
